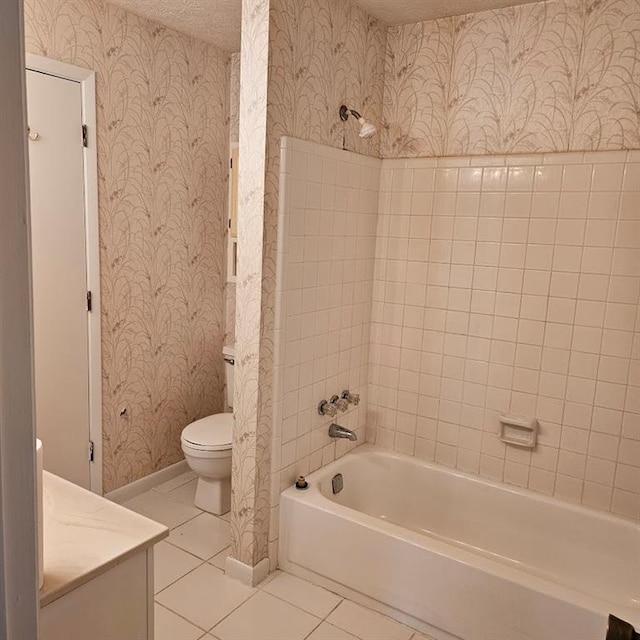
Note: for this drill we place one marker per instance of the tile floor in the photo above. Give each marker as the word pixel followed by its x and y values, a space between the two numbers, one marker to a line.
pixel 196 601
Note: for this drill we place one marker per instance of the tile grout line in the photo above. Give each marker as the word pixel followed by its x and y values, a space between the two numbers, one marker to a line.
pixel 179 578
pixel 257 590
pixel 191 622
pixel 327 616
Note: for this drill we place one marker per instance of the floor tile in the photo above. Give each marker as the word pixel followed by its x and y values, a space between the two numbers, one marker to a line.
pixel 303 594
pixel 204 596
pixel 368 624
pixel 186 493
pixel 327 631
pixel 265 617
pixel 220 559
pixel 169 626
pixel 162 508
pixel 171 563
pixel 204 536
pixel 176 482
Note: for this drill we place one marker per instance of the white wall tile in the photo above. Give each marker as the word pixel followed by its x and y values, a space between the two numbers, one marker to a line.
pixel 530 269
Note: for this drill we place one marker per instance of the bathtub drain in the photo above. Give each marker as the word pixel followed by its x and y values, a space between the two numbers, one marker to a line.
pixel 337 483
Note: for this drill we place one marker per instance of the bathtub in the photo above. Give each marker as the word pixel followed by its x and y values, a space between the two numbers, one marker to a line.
pixel 457 556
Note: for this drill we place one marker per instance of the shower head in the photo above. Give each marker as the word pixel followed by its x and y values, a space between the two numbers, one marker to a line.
pixel 367 130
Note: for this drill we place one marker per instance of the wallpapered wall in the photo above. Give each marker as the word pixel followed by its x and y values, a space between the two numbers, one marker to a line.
pixel 324 53
pixel 162 101
pixel 234 138
pixel 547 76
pixel 251 443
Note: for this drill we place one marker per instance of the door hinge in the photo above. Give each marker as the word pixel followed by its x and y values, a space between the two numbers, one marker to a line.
pixel 91 451
pixel 85 136
pixel 89 301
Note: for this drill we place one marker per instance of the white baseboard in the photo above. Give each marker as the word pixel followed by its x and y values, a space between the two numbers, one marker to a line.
pixel 137 487
pixel 250 576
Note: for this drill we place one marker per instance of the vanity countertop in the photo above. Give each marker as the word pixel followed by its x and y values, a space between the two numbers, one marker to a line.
pixel 86 535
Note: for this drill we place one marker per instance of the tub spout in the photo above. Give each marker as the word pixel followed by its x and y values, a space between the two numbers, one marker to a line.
pixel 336 431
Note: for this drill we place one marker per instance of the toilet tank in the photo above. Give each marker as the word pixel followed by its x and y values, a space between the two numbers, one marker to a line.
pixel 229 354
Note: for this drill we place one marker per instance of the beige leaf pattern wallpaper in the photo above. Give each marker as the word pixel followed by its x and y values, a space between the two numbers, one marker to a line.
pixel 234 138
pixel 251 444
pixel 324 53
pixel 162 118
pixel 548 76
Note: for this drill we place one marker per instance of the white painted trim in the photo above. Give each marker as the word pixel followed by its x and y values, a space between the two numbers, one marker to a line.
pixel 87 80
pixel 250 576
pixel 142 485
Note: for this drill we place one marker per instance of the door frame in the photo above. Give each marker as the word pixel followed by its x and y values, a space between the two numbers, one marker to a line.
pixel 87 80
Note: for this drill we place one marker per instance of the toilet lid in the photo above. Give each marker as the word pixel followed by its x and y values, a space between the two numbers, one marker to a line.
pixel 212 433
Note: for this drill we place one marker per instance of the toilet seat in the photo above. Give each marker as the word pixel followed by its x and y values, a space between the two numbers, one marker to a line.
pixel 213 433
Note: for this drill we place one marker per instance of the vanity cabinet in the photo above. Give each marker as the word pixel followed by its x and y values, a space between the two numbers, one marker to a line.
pixel 98 567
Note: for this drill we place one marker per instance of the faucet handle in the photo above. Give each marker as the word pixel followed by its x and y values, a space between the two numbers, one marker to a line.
pixel 340 403
pixel 351 398
pixel 327 409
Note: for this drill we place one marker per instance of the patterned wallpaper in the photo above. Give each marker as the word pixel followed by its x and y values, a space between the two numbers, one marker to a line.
pixel 548 76
pixel 234 138
pixel 324 53
pixel 251 440
pixel 162 103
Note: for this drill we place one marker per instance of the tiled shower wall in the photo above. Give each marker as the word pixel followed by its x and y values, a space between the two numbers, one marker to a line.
pixel 326 249
pixel 511 286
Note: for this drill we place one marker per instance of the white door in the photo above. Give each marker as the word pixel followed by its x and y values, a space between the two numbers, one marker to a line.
pixel 58 246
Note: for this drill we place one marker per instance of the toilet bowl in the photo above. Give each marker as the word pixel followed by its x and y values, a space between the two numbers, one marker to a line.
pixel 207 448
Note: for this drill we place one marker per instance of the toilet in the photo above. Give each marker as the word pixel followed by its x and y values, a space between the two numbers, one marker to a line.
pixel 206 444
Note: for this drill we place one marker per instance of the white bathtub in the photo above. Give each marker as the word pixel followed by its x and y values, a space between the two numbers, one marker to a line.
pixel 458 556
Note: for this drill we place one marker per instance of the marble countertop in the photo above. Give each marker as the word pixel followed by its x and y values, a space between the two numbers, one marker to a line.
pixel 86 535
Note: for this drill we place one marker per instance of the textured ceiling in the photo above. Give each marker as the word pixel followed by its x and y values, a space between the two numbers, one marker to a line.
pixel 406 11
pixel 214 21
pixel 218 21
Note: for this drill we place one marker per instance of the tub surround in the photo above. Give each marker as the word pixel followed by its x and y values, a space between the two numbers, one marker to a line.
pixel 510 285
pixel 85 536
pixel 326 248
